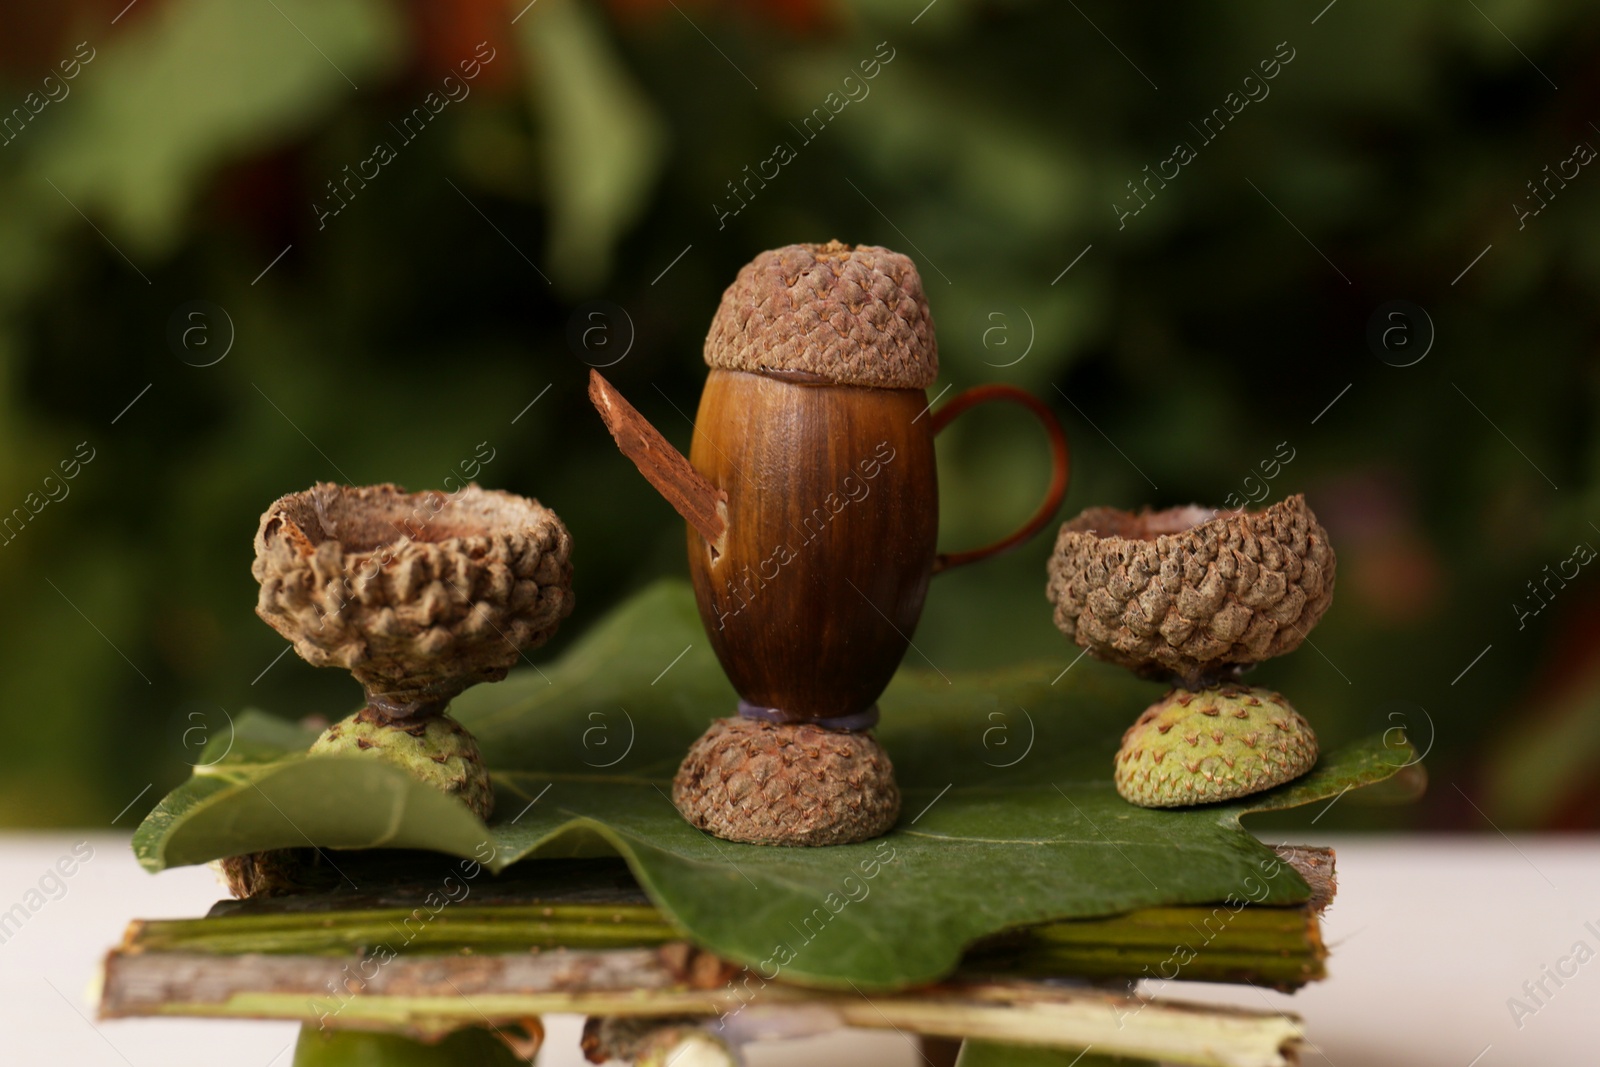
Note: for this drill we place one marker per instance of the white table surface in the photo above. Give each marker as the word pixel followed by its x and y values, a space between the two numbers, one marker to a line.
pixel 1431 938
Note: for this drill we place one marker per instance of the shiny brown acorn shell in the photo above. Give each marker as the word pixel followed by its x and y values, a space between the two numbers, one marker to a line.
pixel 832 517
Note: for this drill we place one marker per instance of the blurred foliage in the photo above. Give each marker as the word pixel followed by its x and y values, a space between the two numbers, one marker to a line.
pixel 199 153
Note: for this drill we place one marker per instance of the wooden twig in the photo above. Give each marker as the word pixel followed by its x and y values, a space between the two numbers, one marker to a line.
pixel 429 995
pixel 1269 946
pixel 703 505
pixel 1316 866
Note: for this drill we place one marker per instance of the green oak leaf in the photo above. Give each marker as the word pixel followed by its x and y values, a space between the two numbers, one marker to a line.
pixel 1010 816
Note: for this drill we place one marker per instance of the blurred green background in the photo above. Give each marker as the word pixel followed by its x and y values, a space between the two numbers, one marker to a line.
pixel 199 149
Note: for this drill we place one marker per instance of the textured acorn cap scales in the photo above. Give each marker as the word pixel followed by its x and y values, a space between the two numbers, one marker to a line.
pixel 1191 593
pixel 853 315
pixel 786 784
pixel 419 595
pixel 273 873
pixel 1215 744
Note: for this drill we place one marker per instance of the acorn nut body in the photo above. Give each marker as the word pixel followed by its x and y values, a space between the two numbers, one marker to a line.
pixel 821 578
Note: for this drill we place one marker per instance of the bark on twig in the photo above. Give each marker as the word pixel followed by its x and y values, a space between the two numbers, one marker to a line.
pixel 702 504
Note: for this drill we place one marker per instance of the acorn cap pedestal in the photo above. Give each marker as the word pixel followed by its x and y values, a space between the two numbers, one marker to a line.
pixel 769 783
pixel 1212 745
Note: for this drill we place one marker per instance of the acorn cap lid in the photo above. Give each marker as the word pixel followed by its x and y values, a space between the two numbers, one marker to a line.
pixel 855 315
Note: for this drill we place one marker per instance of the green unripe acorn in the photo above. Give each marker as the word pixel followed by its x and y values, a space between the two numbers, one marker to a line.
pixel 436 750
pixel 1199 747
pixel 473 1047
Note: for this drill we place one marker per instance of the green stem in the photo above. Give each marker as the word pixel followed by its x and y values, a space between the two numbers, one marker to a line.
pixel 503 928
pixel 1278 947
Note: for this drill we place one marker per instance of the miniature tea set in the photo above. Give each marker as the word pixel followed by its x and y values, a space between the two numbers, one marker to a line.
pixel 811 499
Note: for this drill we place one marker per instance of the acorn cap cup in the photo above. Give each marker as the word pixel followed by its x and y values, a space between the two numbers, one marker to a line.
pixel 418 595
pixel 1190 594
